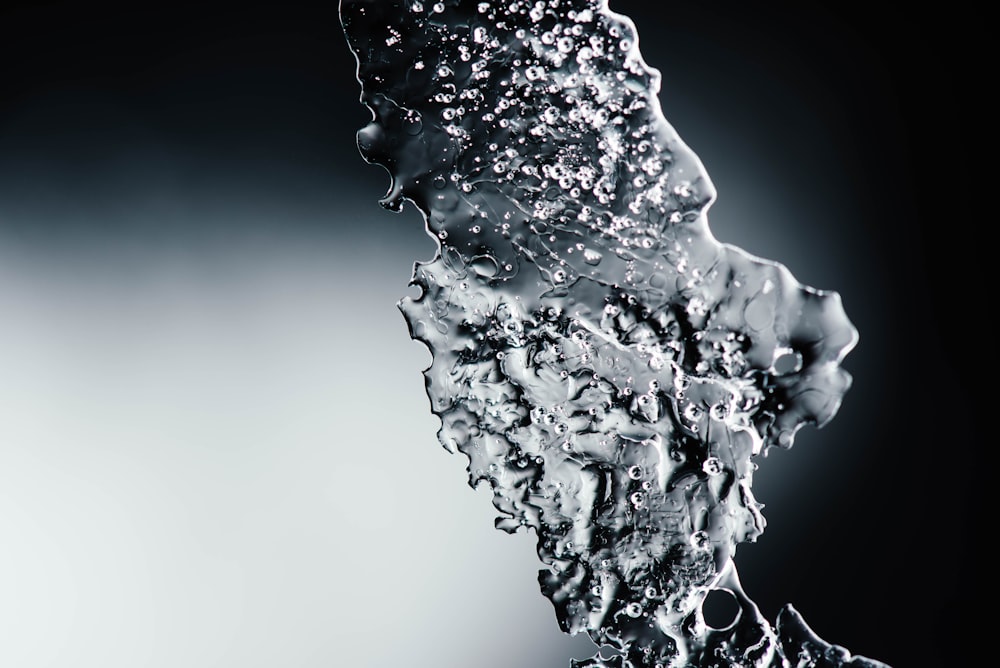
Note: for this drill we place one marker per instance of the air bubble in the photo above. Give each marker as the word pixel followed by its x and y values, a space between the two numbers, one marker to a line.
pixel 592 257
pixel 700 540
pixel 712 466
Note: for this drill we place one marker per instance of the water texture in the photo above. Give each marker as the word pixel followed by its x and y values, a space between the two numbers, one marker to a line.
pixel 609 368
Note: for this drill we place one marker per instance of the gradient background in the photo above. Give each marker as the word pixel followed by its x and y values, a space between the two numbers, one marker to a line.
pixel 215 446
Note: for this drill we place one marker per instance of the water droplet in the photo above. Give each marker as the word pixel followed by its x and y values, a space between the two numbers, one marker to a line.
pixel 531 140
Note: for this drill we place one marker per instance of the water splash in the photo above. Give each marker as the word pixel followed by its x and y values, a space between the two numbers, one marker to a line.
pixel 608 367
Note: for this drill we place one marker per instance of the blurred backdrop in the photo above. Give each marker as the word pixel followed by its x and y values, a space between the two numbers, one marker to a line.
pixel 215 446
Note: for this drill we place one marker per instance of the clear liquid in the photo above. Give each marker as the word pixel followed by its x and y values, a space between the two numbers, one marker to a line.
pixel 608 367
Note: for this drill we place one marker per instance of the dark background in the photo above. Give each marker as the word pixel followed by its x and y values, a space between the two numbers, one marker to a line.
pixel 840 139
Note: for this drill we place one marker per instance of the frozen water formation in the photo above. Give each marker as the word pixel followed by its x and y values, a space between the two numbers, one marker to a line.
pixel 607 366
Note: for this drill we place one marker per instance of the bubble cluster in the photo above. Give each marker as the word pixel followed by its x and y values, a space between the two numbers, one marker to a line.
pixel 608 367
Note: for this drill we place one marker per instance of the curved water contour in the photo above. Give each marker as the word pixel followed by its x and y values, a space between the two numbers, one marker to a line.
pixel 607 366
